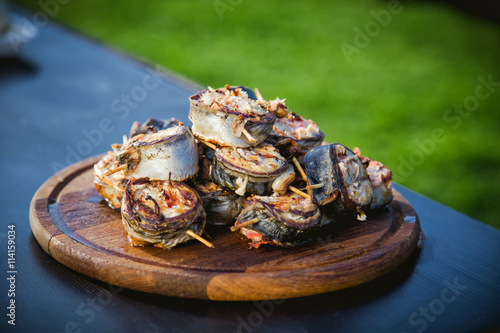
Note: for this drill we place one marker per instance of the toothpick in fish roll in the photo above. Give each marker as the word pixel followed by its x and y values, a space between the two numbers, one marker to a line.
pixel 171 153
pixel 260 170
pixel 287 220
pixel 228 117
pixel 161 212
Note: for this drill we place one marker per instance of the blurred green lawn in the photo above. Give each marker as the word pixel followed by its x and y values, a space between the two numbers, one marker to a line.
pixel 387 97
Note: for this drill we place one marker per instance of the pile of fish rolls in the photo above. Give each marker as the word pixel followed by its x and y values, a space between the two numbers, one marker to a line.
pixel 246 164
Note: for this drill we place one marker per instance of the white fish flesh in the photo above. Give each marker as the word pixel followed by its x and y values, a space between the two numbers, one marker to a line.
pixel 171 153
pixel 228 117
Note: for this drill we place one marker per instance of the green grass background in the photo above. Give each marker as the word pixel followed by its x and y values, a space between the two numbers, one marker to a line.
pixel 387 98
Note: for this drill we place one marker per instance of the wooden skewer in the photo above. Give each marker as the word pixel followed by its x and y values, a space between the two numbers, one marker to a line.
pixel 248 135
pixel 199 238
pixel 312 187
pixel 244 224
pixel 107 182
pixel 210 145
pixel 110 172
pixel 303 174
pixel 299 192
pixel 299 167
pixel 259 95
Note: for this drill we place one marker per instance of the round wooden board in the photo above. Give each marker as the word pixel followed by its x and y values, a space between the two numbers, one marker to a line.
pixel 76 227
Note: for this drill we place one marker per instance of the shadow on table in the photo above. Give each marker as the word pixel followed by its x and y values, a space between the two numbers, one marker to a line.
pixel 10 66
pixel 291 315
pixel 15 68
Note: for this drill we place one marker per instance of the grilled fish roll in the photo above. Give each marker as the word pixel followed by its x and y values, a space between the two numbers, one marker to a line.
pixel 228 117
pixel 321 168
pixel 221 206
pixel 260 170
pixel 295 136
pixel 287 220
pixel 110 187
pixel 337 166
pixel 152 125
pixel 171 153
pixel 160 212
pixel 355 187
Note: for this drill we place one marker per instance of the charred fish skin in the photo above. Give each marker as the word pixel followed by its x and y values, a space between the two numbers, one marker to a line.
pixel 273 230
pixel 347 187
pixel 206 156
pixel 279 222
pixel 160 212
pixel 221 206
pixel 171 153
pixel 234 181
pixel 258 170
pixel 250 92
pixel 356 188
pixel 152 125
pixel 321 168
pixel 286 146
pixel 229 117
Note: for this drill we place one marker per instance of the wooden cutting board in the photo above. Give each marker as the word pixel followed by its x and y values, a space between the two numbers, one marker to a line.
pixel 76 227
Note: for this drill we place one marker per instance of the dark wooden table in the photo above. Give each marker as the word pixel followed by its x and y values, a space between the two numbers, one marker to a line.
pixel 68 97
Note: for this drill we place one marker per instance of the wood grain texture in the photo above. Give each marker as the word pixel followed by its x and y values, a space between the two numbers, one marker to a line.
pixel 77 228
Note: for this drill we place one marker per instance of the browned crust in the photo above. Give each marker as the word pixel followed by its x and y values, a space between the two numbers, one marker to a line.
pixel 181 132
pixel 244 171
pixel 250 117
pixel 137 212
